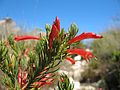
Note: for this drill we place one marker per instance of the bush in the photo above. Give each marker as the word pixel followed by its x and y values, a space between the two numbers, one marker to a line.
pixel 108 52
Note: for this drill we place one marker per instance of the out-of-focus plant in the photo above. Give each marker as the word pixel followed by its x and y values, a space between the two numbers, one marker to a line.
pixel 107 51
pixel 33 66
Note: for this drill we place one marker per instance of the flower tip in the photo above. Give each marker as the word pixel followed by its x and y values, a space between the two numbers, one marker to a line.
pixel 102 37
pixel 99 36
pixel 57 23
pixel 57 18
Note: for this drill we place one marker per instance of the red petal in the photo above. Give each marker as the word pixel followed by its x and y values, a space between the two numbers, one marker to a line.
pixel 57 23
pixel 85 54
pixel 71 60
pixel 19 38
pixel 53 35
pixel 54 32
pixel 85 35
pixel 26 52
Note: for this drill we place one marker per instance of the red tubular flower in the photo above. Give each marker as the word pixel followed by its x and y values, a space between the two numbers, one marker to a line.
pixel 20 38
pixel 22 77
pixel 85 54
pixel 53 35
pixel 57 23
pixel 71 60
pixel 54 32
pixel 84 35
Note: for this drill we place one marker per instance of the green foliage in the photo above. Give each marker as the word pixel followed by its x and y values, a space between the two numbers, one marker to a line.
pixel 116 56
pixel 39 62
pixel 64 83
pixel 73 30
pixel 48 29
pixel 3 51
pixel 94 64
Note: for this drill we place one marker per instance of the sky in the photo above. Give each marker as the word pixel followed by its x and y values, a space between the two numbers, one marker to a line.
pixel 89 15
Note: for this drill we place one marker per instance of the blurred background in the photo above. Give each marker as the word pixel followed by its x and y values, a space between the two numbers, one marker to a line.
pixel 100 16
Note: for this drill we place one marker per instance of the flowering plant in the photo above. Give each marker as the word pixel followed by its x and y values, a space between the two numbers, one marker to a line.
pixel 35 65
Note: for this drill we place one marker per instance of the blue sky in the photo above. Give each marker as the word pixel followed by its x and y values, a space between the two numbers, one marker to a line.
pixel 89 15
